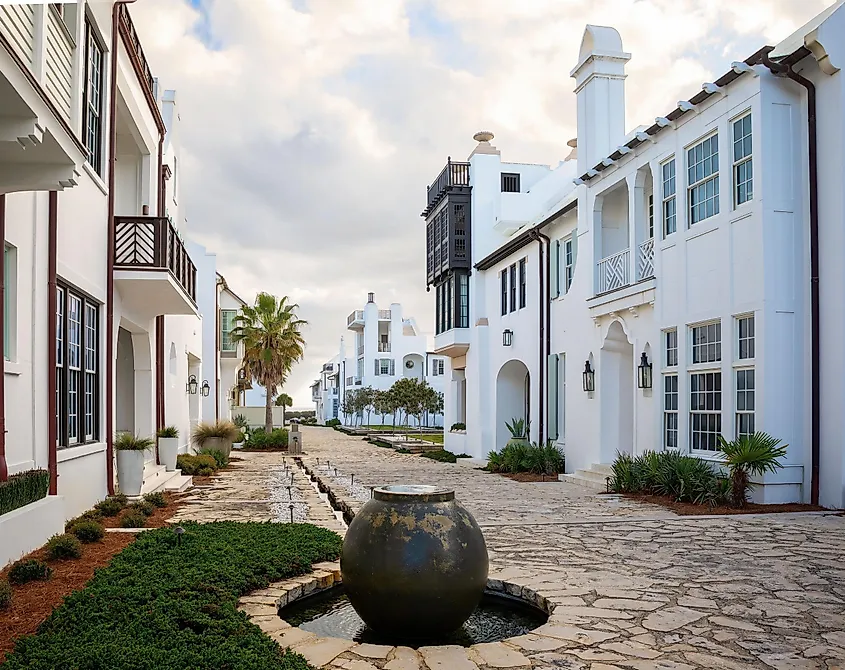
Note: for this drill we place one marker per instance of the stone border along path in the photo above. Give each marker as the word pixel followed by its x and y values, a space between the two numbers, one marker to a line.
pixel 634 586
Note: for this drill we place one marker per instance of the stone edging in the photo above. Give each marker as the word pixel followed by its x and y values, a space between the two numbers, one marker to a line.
pixel 262 608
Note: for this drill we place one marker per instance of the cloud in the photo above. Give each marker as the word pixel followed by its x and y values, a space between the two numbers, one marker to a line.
pixel 310 128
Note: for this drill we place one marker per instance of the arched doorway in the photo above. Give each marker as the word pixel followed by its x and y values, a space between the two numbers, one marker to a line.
pixel 125 383
pixel 512 398
pixel 413 365
pixel 616 393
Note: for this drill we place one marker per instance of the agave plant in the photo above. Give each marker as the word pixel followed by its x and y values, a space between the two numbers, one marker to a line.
pixel 747 456
pixel 130 442
pixel 518 428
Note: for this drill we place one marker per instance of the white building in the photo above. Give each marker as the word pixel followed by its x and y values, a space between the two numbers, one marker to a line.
pixel 101 326
pixel 386 346
pixel 667 249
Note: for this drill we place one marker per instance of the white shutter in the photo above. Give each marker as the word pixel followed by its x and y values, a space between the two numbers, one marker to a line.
pixel 552 395
pixel 554 276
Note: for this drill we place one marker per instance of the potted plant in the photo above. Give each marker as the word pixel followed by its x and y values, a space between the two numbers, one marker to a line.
pixel 218 435
pixel 242 425
pixel 168 447
pixel 130 461
pixel 518 428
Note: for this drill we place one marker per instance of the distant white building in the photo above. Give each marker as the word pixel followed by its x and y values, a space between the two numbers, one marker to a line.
pixel 385 348
pixel 659 288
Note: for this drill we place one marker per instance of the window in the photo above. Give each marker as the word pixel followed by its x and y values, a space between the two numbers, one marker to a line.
pixel 504 279
pixel 463 301
pixel 77 368
pixel 513 287
pixel 703 179
pixel 745 328
pixel 510 182
pixel 705 410
pixel 227 324
pixel 335 404
pixel 361 368
pixel 384 366
pixel 650 215
pixel 745 387
pixel 437 367
pixel 522 286
pixel 93 105
pixel 707 343
pixel 742 162
pixel 568 264
pixel 670 411
pixel 671 347
pixel 669 212
pixel 10 273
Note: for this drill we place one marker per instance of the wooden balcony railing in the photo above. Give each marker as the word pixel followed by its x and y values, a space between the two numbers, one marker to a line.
pixel 453 175
pixel 144 73
pixel 151 243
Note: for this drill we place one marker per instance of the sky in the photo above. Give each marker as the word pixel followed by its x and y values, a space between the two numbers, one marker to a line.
pixel 310 128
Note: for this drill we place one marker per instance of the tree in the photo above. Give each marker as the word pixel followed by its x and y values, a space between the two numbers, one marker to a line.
pixel 410 395
pixel 367 399
pixel 433 402
pixel 750 455
pixel 382 403
pixel 271 333
pixel 284 401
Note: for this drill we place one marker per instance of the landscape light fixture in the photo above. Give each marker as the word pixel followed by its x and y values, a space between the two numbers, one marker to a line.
pixel 191 386
pixel 507 337
pixel 644 372
pixel 589 377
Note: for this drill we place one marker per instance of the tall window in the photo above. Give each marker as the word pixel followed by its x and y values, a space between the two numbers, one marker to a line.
pixel 746 381
pixel 504 280
pixel 10 261
pixel 707 343
pixel 650 215
pixel 669 211
pixel 463 301
pixel 745 330
pixel 513 287
pixel 706 387
pixel 670 411
pixel 671 347
pixel 227 324
pixel 437 367
pixel 510 182
pixel 384 366
pixel 703 179
pixel 568 264
pixel 742 162
pixel 93 106
pixel 522 287
pixel 77 368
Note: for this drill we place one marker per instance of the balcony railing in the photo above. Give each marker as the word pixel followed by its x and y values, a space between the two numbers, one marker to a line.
pixel 614 271
pixel 360 349
pixel 384 347
pixel 357 315
pixel 454 174
pixel 384 315
pixel 645 259
pixel 151 243
pixel 137 52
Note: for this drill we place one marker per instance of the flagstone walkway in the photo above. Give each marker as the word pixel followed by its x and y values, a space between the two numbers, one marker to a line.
pixel 635 586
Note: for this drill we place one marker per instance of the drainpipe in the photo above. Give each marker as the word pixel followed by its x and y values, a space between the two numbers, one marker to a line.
pixel 52 285
pixel 159 327
pixel 217 349
pixel 542 297
pixel 548 307
pixel 4 471
pixel 782 70
pixel 115 29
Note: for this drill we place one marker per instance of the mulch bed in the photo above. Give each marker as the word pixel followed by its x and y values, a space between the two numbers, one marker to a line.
pixel 527 477
pixel 33 602
pixel 691 509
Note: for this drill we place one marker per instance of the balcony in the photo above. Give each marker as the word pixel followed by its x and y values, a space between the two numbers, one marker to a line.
pixel 360 349
pixel 455 176
pixel 328 367
pixel 384 347
pixel 384 315
pixel 152 269
pixel 355 321
pixel 452 343
pixel 645 260
pixel 136 52
pixel 614 272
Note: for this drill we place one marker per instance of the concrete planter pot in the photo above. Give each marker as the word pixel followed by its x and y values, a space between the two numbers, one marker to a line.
pixel 168 450
pixel 217 444
pixel 130 471
pixel 237 445
pixel 518 440
pixel 414 562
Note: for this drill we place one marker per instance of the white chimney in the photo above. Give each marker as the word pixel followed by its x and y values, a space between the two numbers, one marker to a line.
pixel 600 89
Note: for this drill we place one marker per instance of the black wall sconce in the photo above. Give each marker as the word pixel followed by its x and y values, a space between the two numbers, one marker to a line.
pixel 191 386
pixel 644 372
pixel 589 378
pixel 205 390
pixel 507 337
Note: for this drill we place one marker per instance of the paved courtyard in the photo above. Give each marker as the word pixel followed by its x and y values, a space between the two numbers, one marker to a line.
pixel 634 585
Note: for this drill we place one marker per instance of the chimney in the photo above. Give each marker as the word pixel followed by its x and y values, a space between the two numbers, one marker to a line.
pixel 371 297
pixel 600 90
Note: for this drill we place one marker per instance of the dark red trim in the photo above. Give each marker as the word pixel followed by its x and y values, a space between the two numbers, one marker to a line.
pixel 52 428
pixel 159 344
pixel 217 351
pixel 123 29
pixel 4 470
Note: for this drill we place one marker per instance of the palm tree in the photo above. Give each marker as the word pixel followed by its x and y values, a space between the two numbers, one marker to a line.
pixel 750 455
pixel 284 401
pixel 270 331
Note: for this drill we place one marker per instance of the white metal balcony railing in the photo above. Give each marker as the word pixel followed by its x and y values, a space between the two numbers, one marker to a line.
pixel 357 315
pixel 384 347
pixel 645 259
pixel 360 349
pixel 384 315
pixel 614 271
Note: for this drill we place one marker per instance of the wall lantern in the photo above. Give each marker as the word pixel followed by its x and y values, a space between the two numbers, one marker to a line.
pixel 589 376
pixel 507 337
pixel 644 372
pixel 192 385
pixel 205 389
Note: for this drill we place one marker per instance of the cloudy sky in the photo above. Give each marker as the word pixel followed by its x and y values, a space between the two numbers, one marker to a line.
pixel 310 128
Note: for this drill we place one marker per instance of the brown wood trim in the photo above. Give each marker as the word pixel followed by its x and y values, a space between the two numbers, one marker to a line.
pixel 4 470
pixel 52 286
pixel 139 70
pixel 159 343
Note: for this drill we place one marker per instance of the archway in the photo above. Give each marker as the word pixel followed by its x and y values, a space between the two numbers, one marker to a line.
pixel 413 366
pixel 616 393
pixel 125 383
pixel 512 398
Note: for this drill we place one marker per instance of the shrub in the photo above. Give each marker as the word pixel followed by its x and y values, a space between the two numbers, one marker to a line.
pixel 402 450
pixel 130 442
pixel 193 465
pixel 23 489
pixel 750 455
pixel 259 439
pixel 109 507
pixel 5 594
pixel 88 531
pixel 121 498
pixel 168 431
pixel 440 455
pixel 521 457
pixel 156 499
pixel 333 422
pixel 204 431
pixel 63 546
pixel 458 426
pixel 668 473
pixel 463 456
pixel 159 605
pixel 90 515
pixel 133 519
pixel 240 437
pixel 220 459
pixel 141 507
pixel 29 570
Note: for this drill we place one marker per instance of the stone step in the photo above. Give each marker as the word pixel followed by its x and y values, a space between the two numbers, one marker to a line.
pixel 604 468
pixel 585 482
pixel 156 478
pixel 598 477
pixel 180 483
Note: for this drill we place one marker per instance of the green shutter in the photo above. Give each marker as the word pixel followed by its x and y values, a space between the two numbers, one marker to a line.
pixel 552 396
pixel 574 251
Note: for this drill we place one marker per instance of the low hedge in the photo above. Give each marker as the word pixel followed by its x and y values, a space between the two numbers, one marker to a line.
pixel 166 605
pixel 23 489
pixel 202 465
pixel 333 422
pixel 259 439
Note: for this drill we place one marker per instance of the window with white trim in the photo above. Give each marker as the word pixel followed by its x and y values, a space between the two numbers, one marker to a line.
pixel 94 95
pixel 513 287
pixel 670 411
pixel 77 368
pixel 671 338
pixel 437 367
pixel 227 324
pixel 707 343
pixel 384 367
pixel 523 288
pixel 568 264
pixel 745 391
pixel 650 215
pixel 503 278
pixel 742 161
pixel 703 179
pixel 670 224
pixel 705 410
pixel 745 333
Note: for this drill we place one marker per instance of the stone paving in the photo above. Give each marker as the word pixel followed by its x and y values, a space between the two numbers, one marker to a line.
pixel 634 586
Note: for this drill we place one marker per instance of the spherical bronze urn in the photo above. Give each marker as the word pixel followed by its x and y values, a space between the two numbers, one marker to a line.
pixel 414 562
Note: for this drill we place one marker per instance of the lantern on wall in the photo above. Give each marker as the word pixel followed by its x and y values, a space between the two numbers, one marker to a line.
pixel 589 378
pixel 191 386
pixel 644 372
pixel 507 337
pixel 206 389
